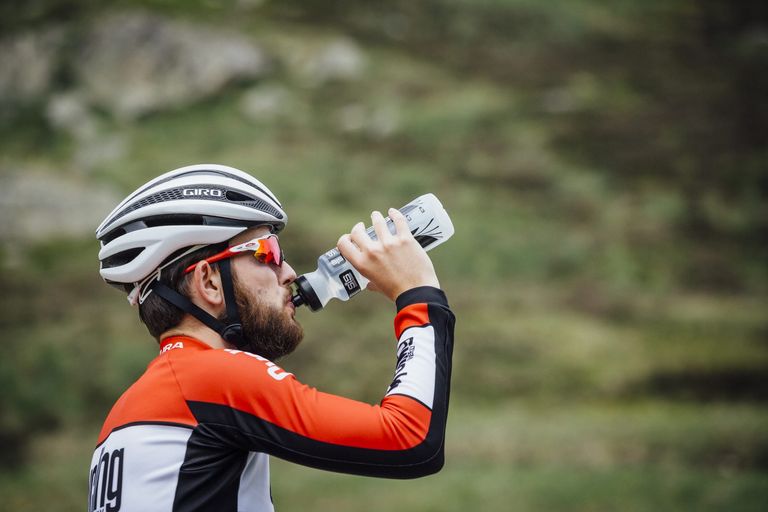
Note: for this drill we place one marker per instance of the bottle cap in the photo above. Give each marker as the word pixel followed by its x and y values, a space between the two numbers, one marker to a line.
pixel 305 294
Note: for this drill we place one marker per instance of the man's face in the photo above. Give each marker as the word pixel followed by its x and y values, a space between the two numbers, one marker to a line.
pixel 264 301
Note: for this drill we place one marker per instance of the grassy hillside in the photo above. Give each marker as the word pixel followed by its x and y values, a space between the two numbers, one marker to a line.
pixel 607 273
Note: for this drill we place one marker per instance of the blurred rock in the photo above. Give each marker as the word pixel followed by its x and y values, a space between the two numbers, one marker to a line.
pixel 100 150
pixel 385 121
pixel 352 118
pixel 44 205
pixel 134 63
pixel 266 103
pixel 70 113
pixel 379 121
pixel 28 64
pixel 339 60
pixel 95 145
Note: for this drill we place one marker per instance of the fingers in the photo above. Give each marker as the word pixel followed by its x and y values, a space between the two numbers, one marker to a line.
pixel 358 243
pixel 401 224
pixel 392 263
pixel 360 237
pixel 353 244
pixel 380 227
pixel 349 250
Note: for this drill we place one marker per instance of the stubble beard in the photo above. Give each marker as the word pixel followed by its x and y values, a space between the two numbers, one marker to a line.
pixel 268 331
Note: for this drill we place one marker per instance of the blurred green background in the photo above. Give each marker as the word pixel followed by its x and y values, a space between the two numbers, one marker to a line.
pixel 605 165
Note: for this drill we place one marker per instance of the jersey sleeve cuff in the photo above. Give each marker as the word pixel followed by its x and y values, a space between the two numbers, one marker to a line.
pixel 419 295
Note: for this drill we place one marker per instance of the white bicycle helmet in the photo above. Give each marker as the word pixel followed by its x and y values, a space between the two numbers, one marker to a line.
pixel 190 206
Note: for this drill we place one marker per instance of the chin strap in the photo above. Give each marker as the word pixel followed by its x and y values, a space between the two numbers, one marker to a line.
pixel 233 333
pixel 231 329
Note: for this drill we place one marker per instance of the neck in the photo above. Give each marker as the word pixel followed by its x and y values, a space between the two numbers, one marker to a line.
pixel 193 328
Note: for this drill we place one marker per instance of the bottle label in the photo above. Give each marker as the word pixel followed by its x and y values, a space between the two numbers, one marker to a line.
pixel 349 281
pixel 334 258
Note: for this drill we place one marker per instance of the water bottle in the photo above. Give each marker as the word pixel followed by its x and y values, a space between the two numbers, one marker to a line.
pixel 336 278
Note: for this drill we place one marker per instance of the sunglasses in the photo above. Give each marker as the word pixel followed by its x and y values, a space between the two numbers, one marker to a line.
pixel 265 249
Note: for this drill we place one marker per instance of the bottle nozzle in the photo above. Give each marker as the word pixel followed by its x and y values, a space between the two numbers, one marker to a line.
pixel 298 300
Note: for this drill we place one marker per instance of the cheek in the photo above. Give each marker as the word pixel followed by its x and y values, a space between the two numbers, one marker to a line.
pixel 256 280
pixel 255 288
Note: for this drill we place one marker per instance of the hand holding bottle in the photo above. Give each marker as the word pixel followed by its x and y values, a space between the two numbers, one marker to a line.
pixel 393 262
pixel 336 277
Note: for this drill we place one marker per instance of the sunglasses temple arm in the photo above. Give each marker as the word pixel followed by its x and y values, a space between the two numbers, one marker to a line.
pixel 213 259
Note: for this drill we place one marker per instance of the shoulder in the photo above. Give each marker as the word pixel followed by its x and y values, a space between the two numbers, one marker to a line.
pixel 240 359
pixel 223 368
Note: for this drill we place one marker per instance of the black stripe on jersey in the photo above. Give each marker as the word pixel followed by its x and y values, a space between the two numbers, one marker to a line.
pixel 138 423
pixel 237 428
pixel 209 477
pixel 421 295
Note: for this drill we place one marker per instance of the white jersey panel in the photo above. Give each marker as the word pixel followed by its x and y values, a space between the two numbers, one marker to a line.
pixel 137 469
pixel 254 493
pixel 415 371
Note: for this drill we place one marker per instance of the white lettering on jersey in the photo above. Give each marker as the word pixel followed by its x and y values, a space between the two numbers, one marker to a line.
pixel 144 462
pixel 106 482
pixel 170 346
pixel 273 370
pixel 415 367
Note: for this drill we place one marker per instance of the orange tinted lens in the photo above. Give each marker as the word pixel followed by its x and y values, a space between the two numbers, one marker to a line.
pixel 269 251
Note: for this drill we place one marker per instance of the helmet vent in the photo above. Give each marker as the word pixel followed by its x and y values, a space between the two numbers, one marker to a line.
pixel 160 197
pixel 121 258
pixel 208 172
pixel 237 197
pixel 174 220
pixel 181 194
pixel 258 204
pixel 112 235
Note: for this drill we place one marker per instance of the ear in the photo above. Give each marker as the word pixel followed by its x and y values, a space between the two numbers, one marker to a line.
pixel 205 288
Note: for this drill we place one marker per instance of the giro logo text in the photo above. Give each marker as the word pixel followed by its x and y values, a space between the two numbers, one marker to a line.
pixel 106 485
pixel 203 192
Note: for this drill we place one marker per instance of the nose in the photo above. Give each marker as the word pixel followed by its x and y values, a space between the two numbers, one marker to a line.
pixel 287 275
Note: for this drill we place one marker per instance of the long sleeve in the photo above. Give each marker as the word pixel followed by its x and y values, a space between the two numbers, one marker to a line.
pixel 258 405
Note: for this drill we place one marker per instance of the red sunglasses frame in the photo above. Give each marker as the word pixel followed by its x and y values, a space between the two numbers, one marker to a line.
pixel 266 249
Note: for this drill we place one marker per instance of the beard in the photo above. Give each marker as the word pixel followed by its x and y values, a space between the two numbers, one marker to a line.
pixel 268 331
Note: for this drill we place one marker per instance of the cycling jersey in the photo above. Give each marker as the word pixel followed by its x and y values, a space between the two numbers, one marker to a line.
pixel 195 431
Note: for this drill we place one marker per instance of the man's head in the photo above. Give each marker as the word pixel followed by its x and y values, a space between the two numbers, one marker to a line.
pixel 262 292
pixel 180 219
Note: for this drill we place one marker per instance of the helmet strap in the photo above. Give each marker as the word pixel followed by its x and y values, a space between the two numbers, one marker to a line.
pixel 234 330
pixel 230 329
pixel 141 290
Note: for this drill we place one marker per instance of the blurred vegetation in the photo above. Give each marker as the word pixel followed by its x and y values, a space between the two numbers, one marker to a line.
pixel 605 167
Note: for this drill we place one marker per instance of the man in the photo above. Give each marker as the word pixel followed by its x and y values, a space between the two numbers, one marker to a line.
pixel 197 250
